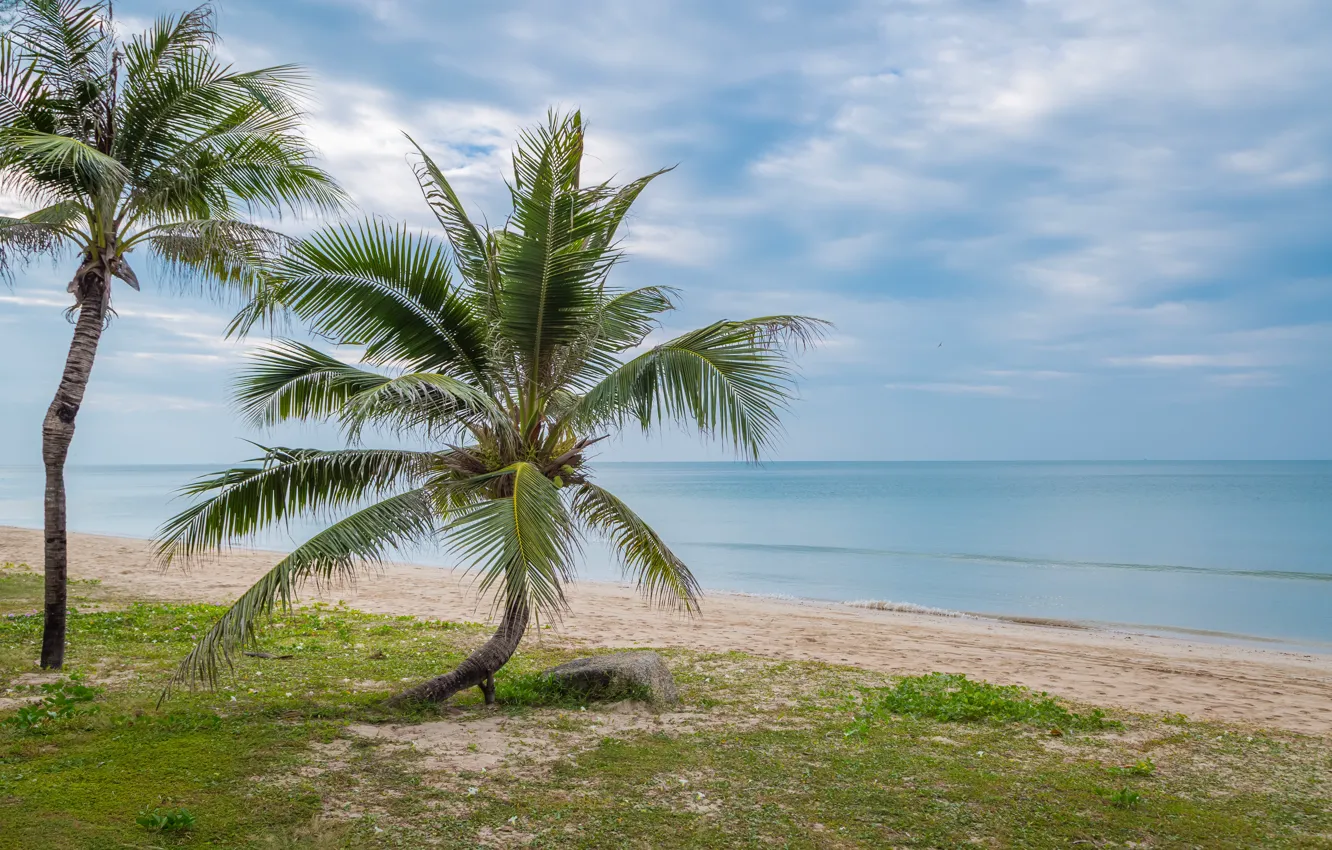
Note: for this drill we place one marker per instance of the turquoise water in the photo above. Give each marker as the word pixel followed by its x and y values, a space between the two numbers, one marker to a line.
pixel 1241 548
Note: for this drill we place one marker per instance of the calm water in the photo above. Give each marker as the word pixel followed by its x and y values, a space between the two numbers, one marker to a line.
pixel 1243 548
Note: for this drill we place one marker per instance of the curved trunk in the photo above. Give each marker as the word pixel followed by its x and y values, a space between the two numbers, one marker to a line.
pixel 477 669
pixel 57 433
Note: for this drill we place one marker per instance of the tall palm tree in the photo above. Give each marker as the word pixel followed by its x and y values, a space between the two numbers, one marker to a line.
pixel 506 351
pixel 145 143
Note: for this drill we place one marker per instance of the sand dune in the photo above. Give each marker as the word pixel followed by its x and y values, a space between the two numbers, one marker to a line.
pixel 1264 687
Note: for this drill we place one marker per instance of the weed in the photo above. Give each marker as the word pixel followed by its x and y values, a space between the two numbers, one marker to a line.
pixel 63 700
pixel 1125 798
pixel 1143 767
pixel 954 698
pixel 175 820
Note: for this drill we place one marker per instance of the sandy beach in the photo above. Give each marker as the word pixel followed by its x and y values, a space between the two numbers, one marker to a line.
pixel 1263 687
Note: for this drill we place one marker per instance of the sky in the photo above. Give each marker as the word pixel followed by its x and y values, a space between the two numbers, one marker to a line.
pixel 1052 229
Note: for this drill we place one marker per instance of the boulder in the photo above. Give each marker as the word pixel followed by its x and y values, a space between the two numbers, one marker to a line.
pixel 618 675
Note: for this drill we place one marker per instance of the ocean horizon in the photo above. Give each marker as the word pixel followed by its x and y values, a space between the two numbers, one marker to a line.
pixel 1236 550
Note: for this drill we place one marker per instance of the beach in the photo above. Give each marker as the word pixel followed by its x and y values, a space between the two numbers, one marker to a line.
pixel 1158 675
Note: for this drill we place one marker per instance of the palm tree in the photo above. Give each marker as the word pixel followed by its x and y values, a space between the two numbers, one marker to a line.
pixel 505 351
pixel 145 143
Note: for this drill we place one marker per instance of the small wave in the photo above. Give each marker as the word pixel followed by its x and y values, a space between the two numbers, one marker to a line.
pixel 781 597
pixel 873 604
pixel 904 607
pixel 1049 563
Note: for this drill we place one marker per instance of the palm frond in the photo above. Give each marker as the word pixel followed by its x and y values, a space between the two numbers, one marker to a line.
pixel 627 318
pixel 730 380
pixel 45 232
pixel 622 321
pixel 660 575
pixel 68 39
pixel 522 544
pixel 39 165
pixel 293 381
pixel 333 555
pixel 222 251
pixel 21 88
pixel 471 257
pixel 386 289
pixel 439 406
pixel 251 161
pixel 551 262
pixel 617 206
pixel 169 39
pixel 286 483
pixel 202 140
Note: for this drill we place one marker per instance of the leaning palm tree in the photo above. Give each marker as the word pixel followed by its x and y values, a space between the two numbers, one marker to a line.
pixel 508 351
pixel 147 143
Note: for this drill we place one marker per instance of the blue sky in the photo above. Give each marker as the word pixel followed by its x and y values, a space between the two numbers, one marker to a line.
pixel 1048 229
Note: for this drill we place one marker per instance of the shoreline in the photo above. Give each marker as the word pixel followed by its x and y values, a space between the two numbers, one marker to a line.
pixel 1182 633
pixel 1139 671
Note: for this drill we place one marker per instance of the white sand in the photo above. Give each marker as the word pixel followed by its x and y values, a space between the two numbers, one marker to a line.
pixel 1265 687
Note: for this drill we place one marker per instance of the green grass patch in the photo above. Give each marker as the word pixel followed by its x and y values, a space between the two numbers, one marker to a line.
pixel 953 698
pixel 535 690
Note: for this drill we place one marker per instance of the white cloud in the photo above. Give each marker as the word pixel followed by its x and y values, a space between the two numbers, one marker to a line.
pixel 361 131
pixel 176 357
pixel 1086 150
pixel 848 252
pixel 1031 374
pixel 676 246
pixel 1246 379
pixel 955 388
pixel 44 301
pixel 1186 361
pixel 832 172
pixel 1287 159
pixel 146 403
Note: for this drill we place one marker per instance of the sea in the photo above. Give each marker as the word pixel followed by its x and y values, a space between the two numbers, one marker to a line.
pixel 1230 551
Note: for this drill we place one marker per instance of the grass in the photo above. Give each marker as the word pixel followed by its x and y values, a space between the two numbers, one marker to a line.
pixel 534 690
pixel 761 753
pixel 955 698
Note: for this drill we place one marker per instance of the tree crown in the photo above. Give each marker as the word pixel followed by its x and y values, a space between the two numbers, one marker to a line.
pixel 147 141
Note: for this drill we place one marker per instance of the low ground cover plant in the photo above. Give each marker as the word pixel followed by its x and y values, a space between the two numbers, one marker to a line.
pixel 173 820
pixel 60 701
pixel 953 698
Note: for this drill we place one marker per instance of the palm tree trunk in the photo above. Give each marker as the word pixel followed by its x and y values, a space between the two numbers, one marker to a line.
pixel 477 669
pixel 57 433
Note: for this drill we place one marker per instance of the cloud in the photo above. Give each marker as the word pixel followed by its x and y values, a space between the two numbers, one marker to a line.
pixel 953 388
pixel 1288 160
pixel 1108 202
pixel 176 357
pixel 114 402
pixel 1186 361
pixel 1031 374
pixel 361 131
pixel 44 301
pixel 1246 379
pixel 673 245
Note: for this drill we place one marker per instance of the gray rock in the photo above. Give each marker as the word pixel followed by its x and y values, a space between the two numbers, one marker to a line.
pixel 619 674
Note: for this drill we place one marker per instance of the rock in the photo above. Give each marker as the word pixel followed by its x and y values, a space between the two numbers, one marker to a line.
pixel 619 674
